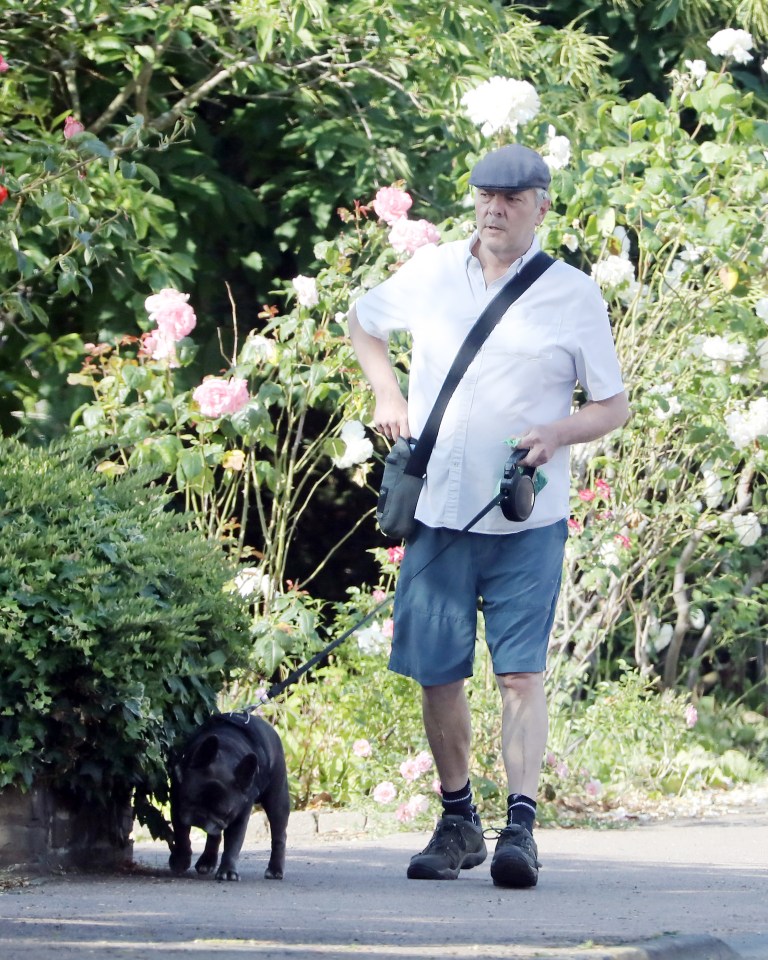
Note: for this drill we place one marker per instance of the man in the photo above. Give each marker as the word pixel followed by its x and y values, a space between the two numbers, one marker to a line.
pixel 519 386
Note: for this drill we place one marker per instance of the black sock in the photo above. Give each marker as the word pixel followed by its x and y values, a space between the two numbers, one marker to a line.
pixel 521 809
pixel 458 803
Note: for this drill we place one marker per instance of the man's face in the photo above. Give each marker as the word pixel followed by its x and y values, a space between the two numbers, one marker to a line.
pixel 506 221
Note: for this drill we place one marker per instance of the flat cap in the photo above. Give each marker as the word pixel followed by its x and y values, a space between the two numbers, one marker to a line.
pixel 513 167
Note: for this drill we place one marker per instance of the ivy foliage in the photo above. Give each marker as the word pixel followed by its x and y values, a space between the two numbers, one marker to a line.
pixel 117 629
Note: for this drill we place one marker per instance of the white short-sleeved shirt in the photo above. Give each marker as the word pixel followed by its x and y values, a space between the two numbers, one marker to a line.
pixel 555 335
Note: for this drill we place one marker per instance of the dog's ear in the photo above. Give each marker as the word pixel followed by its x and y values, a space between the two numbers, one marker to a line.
pixel 245 771
pixel 205 752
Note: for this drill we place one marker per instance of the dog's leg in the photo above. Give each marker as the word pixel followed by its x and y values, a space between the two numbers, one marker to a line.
pixel 234 836
pixel 276 804
pixel 181 849
pixel 209 856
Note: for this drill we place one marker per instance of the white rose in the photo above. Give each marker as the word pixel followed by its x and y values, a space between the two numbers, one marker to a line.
pixel 748 529
pixel 306 290
pixel 732 43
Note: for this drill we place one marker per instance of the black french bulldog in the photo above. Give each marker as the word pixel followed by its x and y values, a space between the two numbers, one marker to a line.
pixel 232 762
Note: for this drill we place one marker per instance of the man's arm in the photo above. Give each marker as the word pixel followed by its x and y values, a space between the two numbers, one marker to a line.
pixel 589 422
pixel 391 412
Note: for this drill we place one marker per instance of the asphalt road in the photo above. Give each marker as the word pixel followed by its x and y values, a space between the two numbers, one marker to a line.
pixel 681 890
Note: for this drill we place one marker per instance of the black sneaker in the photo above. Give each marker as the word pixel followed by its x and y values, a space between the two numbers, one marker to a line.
pixel 456 845
pixel 516 859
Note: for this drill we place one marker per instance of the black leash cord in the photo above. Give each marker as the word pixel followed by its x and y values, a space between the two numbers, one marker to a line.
pixel 486 509
pixel 277 688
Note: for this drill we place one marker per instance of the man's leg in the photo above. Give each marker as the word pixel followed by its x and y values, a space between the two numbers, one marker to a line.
pixel 434 643
pixel 524 728
pixel 447 724
pixel 457 843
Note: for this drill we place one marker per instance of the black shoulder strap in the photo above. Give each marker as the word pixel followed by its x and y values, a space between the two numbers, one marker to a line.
pixel 479 333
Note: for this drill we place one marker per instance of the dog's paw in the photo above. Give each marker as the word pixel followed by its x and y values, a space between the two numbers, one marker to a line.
pixel 273 873
pixel 224 874
pixel 204 866
pixel 179 862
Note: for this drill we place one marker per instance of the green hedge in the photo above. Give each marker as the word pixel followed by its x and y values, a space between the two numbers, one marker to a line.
pixel 117 628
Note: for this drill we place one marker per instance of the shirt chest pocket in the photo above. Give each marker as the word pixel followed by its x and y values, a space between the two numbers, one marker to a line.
pixel 522 342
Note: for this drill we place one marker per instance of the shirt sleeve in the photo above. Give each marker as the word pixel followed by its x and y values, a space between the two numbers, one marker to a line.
pixel 395 303
pixel 594 351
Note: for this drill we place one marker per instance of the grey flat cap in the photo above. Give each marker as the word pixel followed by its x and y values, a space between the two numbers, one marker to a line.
pixel 514 167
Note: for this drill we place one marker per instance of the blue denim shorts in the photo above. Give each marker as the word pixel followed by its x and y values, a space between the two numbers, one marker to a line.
pixel 517 576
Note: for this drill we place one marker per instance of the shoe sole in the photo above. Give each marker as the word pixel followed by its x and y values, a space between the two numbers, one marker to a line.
pixel 513 871
pixel 423 871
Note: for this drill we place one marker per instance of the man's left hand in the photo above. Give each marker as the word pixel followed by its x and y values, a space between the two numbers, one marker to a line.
pixel 541 443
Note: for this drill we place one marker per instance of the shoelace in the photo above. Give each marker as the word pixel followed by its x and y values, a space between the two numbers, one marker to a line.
pixel 518 832
pixel 446 834
pixel 493 833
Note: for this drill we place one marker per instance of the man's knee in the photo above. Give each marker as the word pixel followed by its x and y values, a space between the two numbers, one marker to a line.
pixel 520 684
pixel 443 692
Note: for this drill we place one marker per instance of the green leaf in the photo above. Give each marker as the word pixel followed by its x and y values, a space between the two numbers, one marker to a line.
pixel 90 145
pixel 146 52
pixel 137 377
pixel 148 174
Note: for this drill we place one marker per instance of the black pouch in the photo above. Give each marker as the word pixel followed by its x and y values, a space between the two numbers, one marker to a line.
pixel 399 493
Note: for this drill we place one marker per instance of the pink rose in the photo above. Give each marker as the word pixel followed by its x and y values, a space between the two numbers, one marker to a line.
pixel 388 628
pixel 4 65
pixel 587 495
pixel 395 554
pixel 404 813
pixel 423 761
pixel 603 488
pixel 217 397
pixel 159 346
pixel 385 792
pixel 362 748
pixel 408 235
pixel 171 312
pixel 379 596
pixel 409 770
pixel 594 788
pixel 622 540
pixel 391 204
pixel 575 525
pixel 418 804
pixel 691 716
pixel 71 127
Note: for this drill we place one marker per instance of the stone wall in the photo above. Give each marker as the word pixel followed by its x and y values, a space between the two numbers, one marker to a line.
pixel 39 833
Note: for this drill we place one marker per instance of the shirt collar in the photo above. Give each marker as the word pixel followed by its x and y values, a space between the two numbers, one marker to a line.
pixel 514 267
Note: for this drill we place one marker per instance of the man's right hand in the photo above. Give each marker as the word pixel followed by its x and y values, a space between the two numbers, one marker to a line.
pixel 390 416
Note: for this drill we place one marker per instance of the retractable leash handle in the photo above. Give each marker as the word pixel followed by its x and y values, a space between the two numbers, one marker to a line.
pixel 516 498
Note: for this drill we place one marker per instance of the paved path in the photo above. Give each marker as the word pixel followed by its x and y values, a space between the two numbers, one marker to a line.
pixel 682 890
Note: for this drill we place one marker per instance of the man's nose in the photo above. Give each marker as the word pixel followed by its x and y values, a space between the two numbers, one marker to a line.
pixel 496 206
